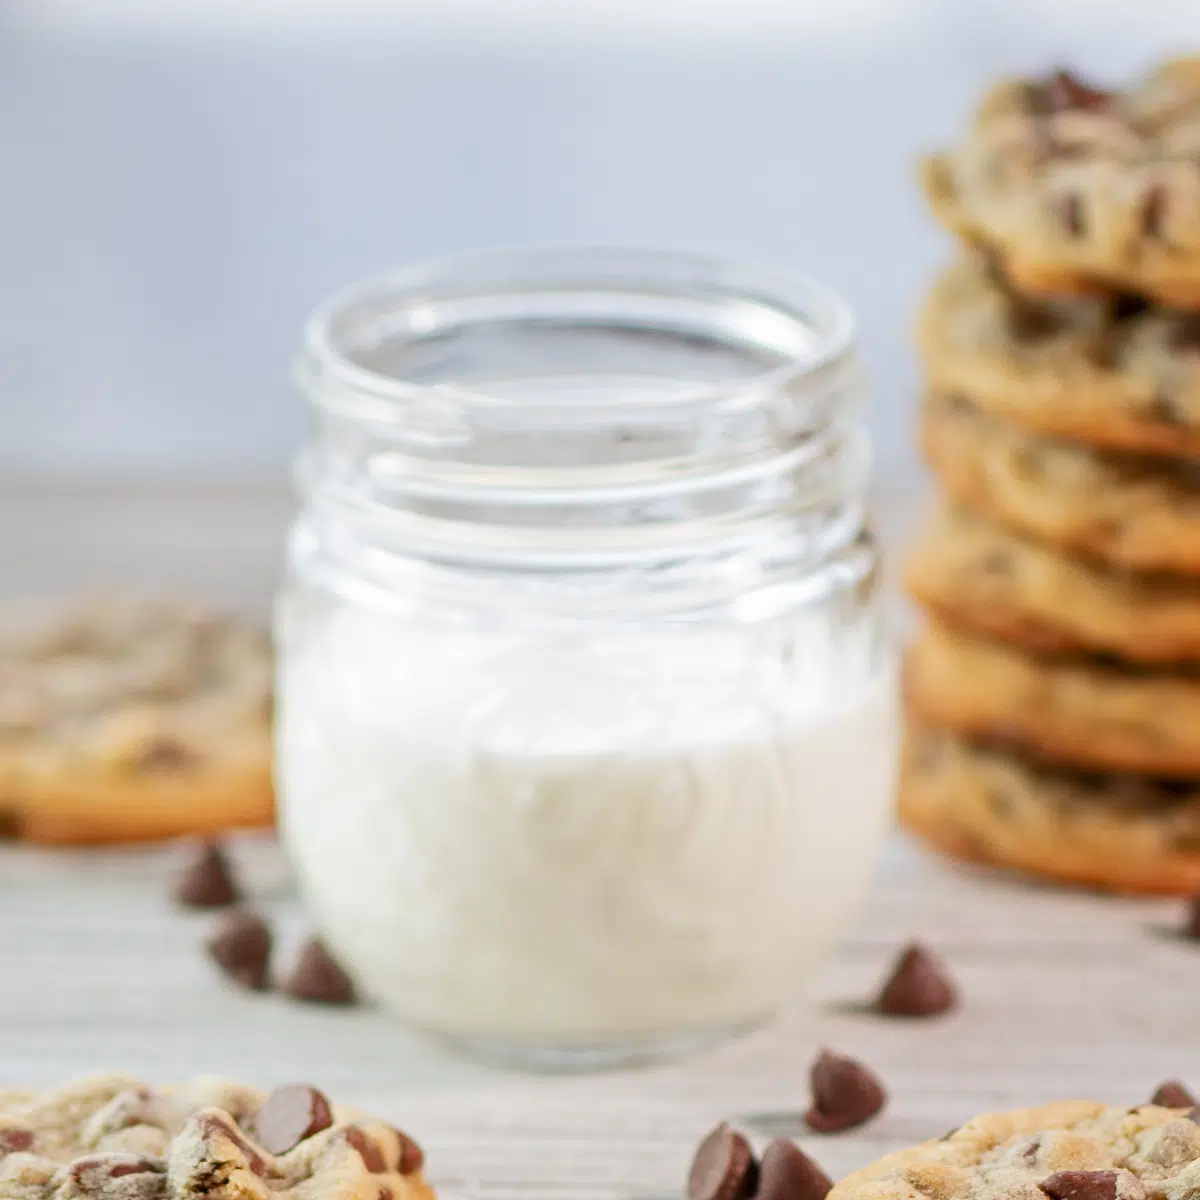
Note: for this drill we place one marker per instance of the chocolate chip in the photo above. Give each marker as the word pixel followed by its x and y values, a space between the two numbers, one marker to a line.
pixel 241 947
pixel 141 1178
pixel 1081 1185
pixel 166 754
pixel 1126 306
pixel 318 978
pixel 723 1167
pixel 1154 209
pixel 1172 1094
pixel 290 1115
pixel 1186 332
pixel 1165 410
pixel 14 1140
pixel 368 1149
pixel 206 880
pixel 1070 213
pixel 412 1157
pixel 1065 91
pixel 385 1193
pixel 918 985
pixel 1191 920
pixel 787 1173
pixel 844 1093
pixel 1030 321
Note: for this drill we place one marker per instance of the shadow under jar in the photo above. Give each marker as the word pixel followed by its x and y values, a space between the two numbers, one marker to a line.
pixel 586 719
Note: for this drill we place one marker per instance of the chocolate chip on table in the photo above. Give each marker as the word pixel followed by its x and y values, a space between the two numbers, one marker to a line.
pixel 289 1115
pixel 1065 91
pixel 1172 1094
pixel 787 1173
pixel 317 977
pixel 844 1093
pixel 206 880
pixel 919 985
pixel 724 1167
pixel 241 947
pixel 1081 1185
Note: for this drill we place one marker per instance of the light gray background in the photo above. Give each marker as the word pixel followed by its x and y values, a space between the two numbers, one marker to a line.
pixel 180 182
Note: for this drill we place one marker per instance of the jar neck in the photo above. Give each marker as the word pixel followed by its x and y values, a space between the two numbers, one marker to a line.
pixel 585 411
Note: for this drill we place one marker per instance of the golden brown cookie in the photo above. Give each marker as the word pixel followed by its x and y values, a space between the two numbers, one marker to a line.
pixel 114 1138
pixel 1134 512
pixel 127 719
pixel 1080 712
pixel 1074 188
pixel 1096 370
pixel 1072 1150
pixel 987 579
pixel 1122 832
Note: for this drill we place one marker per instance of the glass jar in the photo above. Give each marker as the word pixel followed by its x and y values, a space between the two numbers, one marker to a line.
pixel 585 708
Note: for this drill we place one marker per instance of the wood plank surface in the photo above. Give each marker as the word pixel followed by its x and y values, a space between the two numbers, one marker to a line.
pixel 1065 994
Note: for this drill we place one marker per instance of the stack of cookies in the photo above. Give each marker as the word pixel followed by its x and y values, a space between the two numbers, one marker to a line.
pixel 1054 694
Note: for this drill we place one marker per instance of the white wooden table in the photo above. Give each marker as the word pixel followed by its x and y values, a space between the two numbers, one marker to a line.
pixel 1065 994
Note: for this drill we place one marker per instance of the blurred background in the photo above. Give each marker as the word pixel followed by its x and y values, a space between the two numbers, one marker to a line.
pixel 183 179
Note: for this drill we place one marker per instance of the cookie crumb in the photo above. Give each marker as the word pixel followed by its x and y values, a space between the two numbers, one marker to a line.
pixel 241 947
pixel 918 986
pixel 845 1093
pixel 206 879
pixel 317 977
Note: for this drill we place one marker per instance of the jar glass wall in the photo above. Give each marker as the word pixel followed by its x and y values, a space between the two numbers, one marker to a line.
pixel 585 729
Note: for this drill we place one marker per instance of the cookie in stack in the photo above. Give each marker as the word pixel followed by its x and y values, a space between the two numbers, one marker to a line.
pixel 1054 695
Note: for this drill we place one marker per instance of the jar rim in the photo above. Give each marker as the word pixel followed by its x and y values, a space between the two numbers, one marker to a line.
pixel 805 324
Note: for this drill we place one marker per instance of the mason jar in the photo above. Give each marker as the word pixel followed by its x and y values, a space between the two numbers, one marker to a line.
pixel 585 730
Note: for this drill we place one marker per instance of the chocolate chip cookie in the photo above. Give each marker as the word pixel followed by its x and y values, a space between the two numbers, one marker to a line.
pixel 114 1138
pixel 1100 370
pixel 1073 187
pixel 1085 713
pixel 984 578
pixel 1072 1150
pixel 1122 832
pixel 124 719
pixel 1139 513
